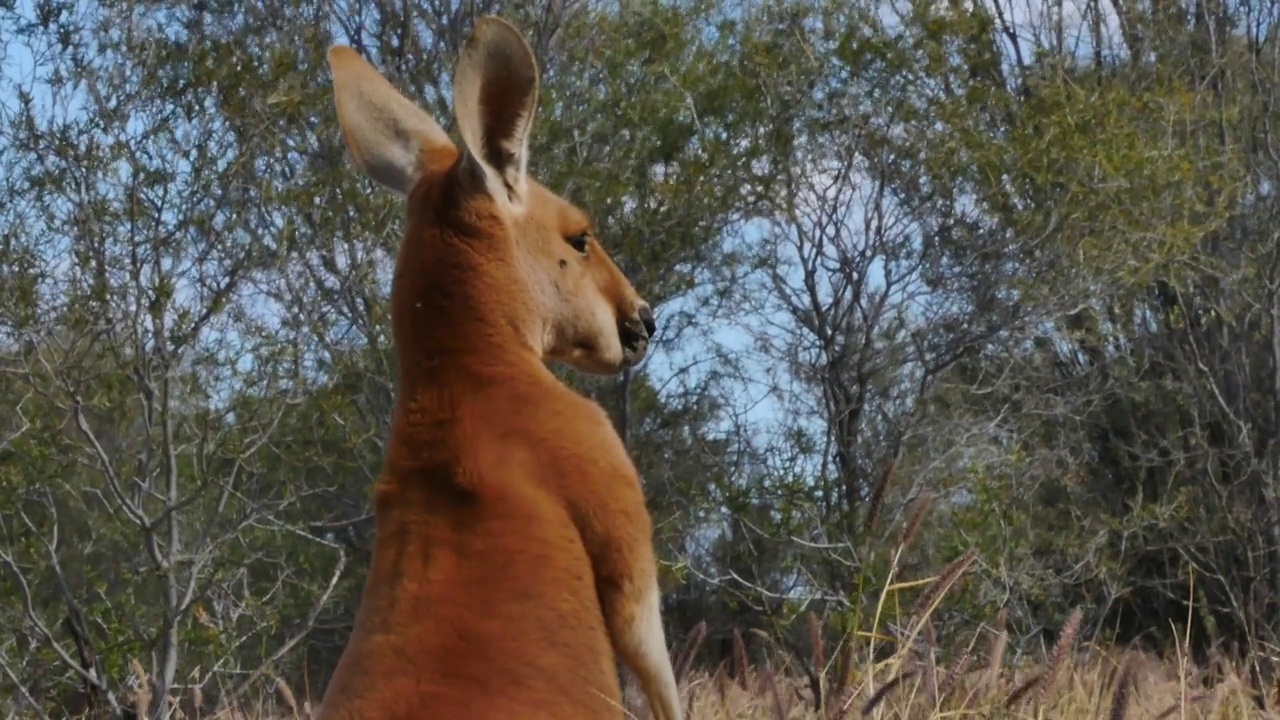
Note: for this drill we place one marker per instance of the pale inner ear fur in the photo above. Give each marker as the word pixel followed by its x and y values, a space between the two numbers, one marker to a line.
pixel 495 96
pixel 386 134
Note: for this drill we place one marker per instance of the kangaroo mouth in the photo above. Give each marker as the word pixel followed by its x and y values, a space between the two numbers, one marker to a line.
pixel 635 342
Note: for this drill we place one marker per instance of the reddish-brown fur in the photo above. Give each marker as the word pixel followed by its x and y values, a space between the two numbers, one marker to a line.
pixel 514 551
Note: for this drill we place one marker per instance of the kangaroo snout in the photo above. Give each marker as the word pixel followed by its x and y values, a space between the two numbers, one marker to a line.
pixel 635 333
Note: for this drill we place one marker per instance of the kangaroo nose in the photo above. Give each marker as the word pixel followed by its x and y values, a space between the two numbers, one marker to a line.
pixel 646 317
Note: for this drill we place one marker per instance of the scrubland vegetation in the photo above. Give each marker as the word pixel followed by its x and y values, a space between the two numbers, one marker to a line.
pixel 1012 261
pixel 902 671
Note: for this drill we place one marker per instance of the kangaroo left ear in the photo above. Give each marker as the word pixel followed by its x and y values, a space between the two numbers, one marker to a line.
pixel 495 95
pixel 385 133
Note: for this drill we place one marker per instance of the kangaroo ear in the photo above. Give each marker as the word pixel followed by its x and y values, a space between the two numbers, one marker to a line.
pixel 495 94
pixel 386 134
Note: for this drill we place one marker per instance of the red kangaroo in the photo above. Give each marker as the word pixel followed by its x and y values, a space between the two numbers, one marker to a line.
pixel 514 553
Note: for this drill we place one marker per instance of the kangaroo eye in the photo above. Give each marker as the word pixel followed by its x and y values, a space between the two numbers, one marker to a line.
pixel 579 242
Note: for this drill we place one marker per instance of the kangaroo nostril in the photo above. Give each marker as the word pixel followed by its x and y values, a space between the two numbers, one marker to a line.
pixel 646 318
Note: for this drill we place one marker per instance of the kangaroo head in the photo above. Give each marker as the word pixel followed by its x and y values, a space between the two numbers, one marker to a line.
pixel 561 290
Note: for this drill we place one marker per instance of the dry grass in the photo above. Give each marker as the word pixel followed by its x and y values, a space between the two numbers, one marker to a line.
pixel 1072 682
pixel 1087 689
pixel 845 681
pixel 1092 684
pixel 874 674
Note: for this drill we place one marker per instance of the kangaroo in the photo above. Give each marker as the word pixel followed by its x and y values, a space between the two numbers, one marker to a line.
pixel 514 553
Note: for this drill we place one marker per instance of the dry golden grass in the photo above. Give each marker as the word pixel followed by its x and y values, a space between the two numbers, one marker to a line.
pixel 1094 684
pixel 1071 682
pixel 1086 690
pixel 871 674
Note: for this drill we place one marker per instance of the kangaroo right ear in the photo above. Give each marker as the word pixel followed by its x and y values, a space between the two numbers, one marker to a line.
pixel 387 135
pixel 495 95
